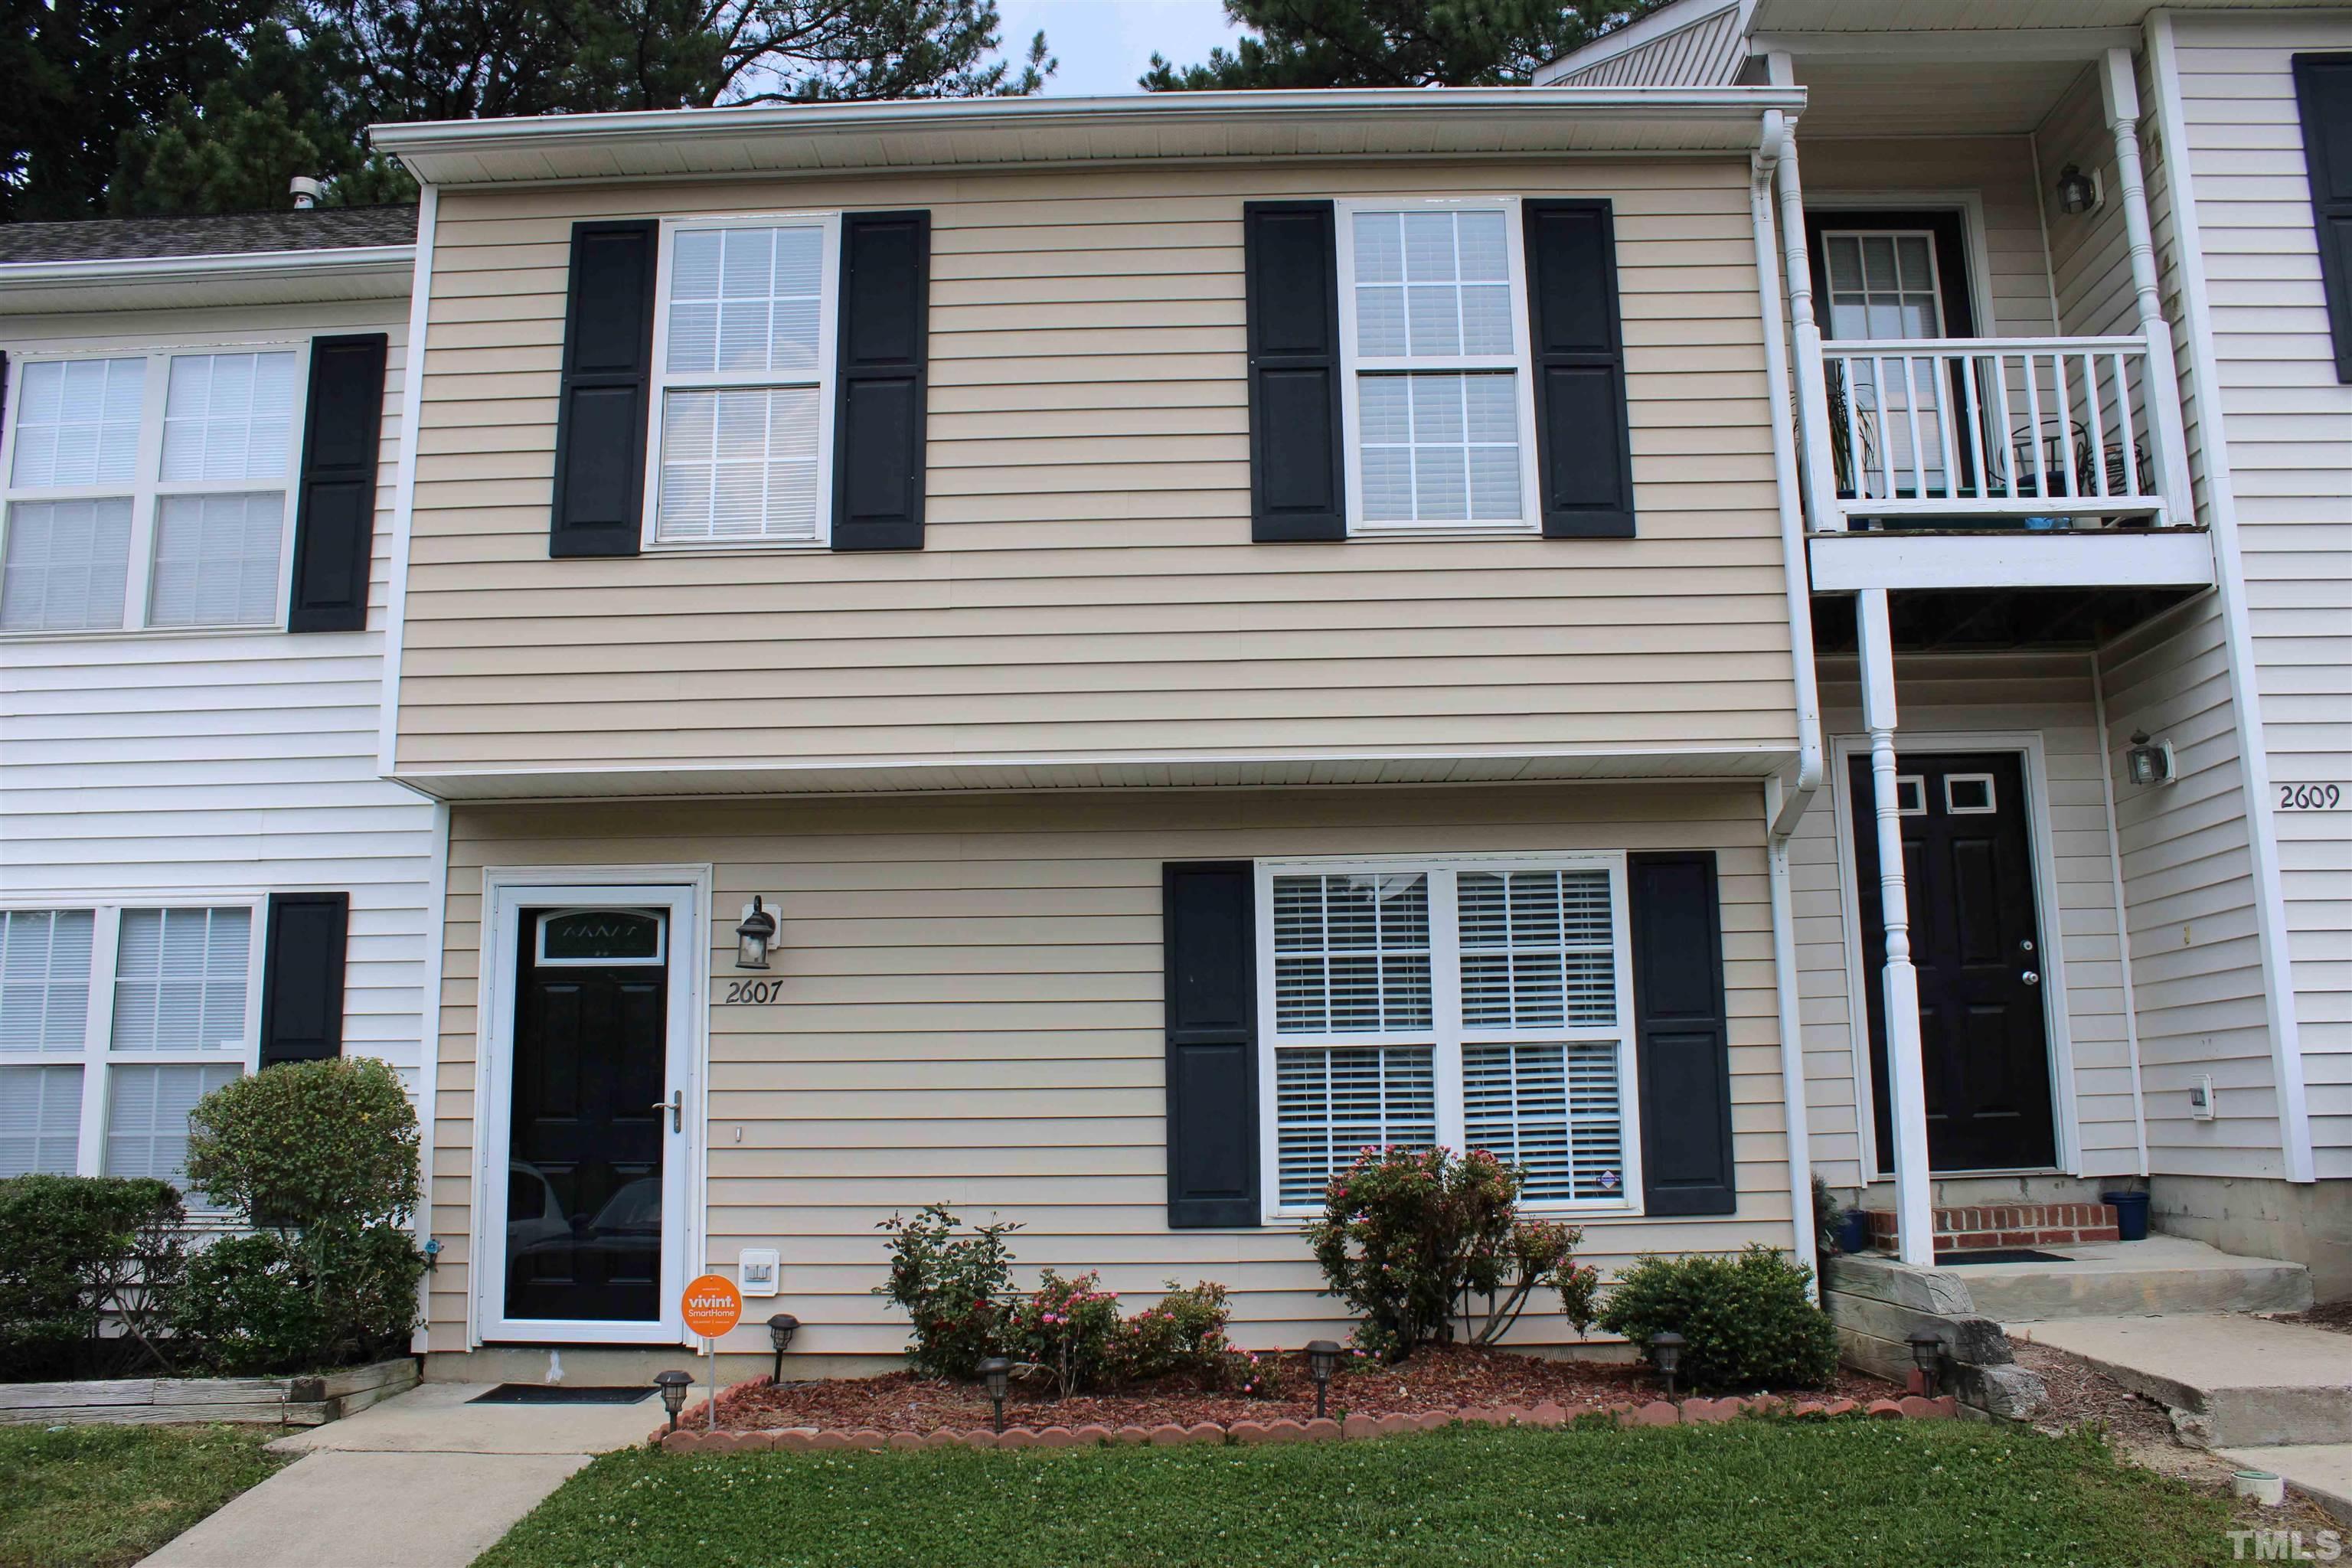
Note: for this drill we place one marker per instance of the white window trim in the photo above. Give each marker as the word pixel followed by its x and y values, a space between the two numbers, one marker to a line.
pixel 828 313
pixel 1520 362
pixel 147 488
pixel 97 1057
pixel 1447 1035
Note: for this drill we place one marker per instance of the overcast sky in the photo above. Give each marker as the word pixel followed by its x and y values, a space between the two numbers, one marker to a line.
pixel 1105 44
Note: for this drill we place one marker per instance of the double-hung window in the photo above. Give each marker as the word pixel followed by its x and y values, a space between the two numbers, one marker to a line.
pixel 1474 1002
pixel 743 341
pixel 149 490
pixel 1437 397
pixel 114 1021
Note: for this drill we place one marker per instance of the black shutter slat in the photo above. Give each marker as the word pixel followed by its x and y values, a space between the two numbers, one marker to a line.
pixel 302 977
pixel 601 422
pixel 1290 270
pixel 882 373
pixel 1584 451
pixel 1208 910
pixel 2322 90
pixel 334 511
pixel 1682 1035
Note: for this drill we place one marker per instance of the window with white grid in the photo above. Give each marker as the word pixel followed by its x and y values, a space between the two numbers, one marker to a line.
pixel 149 491
pixel 743 357
pixel 1434 343
pixel 113 1022
pixel 1474 1002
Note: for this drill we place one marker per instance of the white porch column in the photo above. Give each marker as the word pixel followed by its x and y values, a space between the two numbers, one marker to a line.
pixel 1906 1079
pixel 2119 91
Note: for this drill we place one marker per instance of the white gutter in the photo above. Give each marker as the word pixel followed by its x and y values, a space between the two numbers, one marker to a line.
pixel 1784 806
pixel 2229 586
pixel 233 266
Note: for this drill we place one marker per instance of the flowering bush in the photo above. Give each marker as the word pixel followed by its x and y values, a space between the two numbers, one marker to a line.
pixel 1255 1374
pixel 1184 1333
pixel 956 1286
pixel 1070 1327
pixel 1408 1237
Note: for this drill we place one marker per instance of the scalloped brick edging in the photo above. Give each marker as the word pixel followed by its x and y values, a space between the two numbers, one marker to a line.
pixel 1657 1412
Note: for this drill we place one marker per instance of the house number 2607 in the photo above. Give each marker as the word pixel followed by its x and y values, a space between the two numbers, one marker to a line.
pixel 752 993
pixel 2310 798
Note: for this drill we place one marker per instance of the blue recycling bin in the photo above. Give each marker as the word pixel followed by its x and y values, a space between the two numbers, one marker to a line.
pixel 2131 1214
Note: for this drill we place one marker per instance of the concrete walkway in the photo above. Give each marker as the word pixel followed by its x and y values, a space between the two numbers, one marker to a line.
pixel 422 1480
pixel 2232 1382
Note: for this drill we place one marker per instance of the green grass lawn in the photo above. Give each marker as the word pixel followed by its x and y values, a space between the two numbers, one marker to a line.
pixel 1935 1494
pixel 98 1496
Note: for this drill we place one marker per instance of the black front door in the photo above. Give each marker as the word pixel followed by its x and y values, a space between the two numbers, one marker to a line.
pixel 584 1171
pixel 1977 943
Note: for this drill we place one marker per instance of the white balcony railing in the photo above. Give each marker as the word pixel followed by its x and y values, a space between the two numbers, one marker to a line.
pixel 2028 432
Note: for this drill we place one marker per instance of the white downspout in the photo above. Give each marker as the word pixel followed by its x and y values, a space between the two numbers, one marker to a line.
pixel 1785 805
pixel 2123 917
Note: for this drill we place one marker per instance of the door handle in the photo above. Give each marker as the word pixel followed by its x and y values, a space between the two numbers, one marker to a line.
pixel 676 1106
pixel 2030 978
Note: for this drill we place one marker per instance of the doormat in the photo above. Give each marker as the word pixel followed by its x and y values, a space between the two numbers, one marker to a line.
pixel 558 1394
pixel 1998 1255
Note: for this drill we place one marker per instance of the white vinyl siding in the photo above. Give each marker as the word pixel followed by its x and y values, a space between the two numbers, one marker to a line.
pixel 1473 1004
pixel 189 455
pixel 743 357
pixel 1434 348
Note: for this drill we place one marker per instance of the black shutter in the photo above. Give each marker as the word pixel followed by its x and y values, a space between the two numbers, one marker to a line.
pixel 2323 88
pixel 1291 274
pixel 1583 446
pixel 302 977
pixel 334 518
pixel 1681 1034
pixel 882 370
pixel 1208 915
pixel 608 359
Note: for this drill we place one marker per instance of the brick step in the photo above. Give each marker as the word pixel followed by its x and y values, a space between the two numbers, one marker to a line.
pixel 1983 1228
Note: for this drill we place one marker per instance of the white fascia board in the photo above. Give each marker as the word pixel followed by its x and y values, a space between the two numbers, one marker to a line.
pixel 1986 44
pixel 393 260
pixel 2161 558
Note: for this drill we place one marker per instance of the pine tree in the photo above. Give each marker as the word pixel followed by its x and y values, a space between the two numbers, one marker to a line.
pixel 1394 43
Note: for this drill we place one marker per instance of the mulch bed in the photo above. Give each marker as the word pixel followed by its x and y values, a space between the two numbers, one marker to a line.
pixel 2336 1317
pixel 1437 1378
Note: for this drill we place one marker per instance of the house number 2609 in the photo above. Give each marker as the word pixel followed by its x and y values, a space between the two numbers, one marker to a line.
pixel 2310 798
pixel 752 993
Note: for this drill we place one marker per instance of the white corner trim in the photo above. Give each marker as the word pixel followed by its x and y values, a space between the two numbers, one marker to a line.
pixel 2042 845
pixel 1796 1127
pixel 403 484
pixel 2229 586
pixel 428 1052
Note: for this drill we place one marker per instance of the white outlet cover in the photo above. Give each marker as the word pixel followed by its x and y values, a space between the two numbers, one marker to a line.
pixel 759 1270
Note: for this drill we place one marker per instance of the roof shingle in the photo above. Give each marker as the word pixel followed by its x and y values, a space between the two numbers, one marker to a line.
pixel 219 234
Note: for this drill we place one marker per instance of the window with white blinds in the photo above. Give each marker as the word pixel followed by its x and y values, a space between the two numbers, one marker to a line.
pixel 1434 343
pixel 1472 1002
pixel 743 354
pixel 113 1022
pixel 149 491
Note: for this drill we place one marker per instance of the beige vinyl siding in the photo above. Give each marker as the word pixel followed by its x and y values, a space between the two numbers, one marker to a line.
pixel 2014 300
pixel 2189 900
pixel 1089 587
pixel 182 763
pixel 972 1013
pixel 2048 694
pixel 2289 427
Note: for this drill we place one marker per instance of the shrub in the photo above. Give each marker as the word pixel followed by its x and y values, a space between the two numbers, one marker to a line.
pixel 1070 1327
pixel 266 1302
pixel 77 1252
pixel 1826 1217
pixel 1184 1332
pixel 955 1285
pixel 320 1159
pixel 1750 1321
pixel 1409 1235
pixel 1254 1374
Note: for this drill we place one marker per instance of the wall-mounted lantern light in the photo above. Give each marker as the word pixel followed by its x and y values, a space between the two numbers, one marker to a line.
pixel 755 937
pixel 2149 763
pixel 2078 192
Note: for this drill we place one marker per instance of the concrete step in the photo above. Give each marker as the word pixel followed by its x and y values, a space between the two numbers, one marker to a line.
pixel 2320 1471
pixel 2232 1382
pixel 2164 1274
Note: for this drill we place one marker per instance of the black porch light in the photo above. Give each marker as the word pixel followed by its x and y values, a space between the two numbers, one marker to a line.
pixel 1666 1355
pixel 1322 1357
pixel 672 1386
pixel 996 1372
pixel 755 937
pixel 781 1330
pixel 2077 192
pixel 1927 1356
